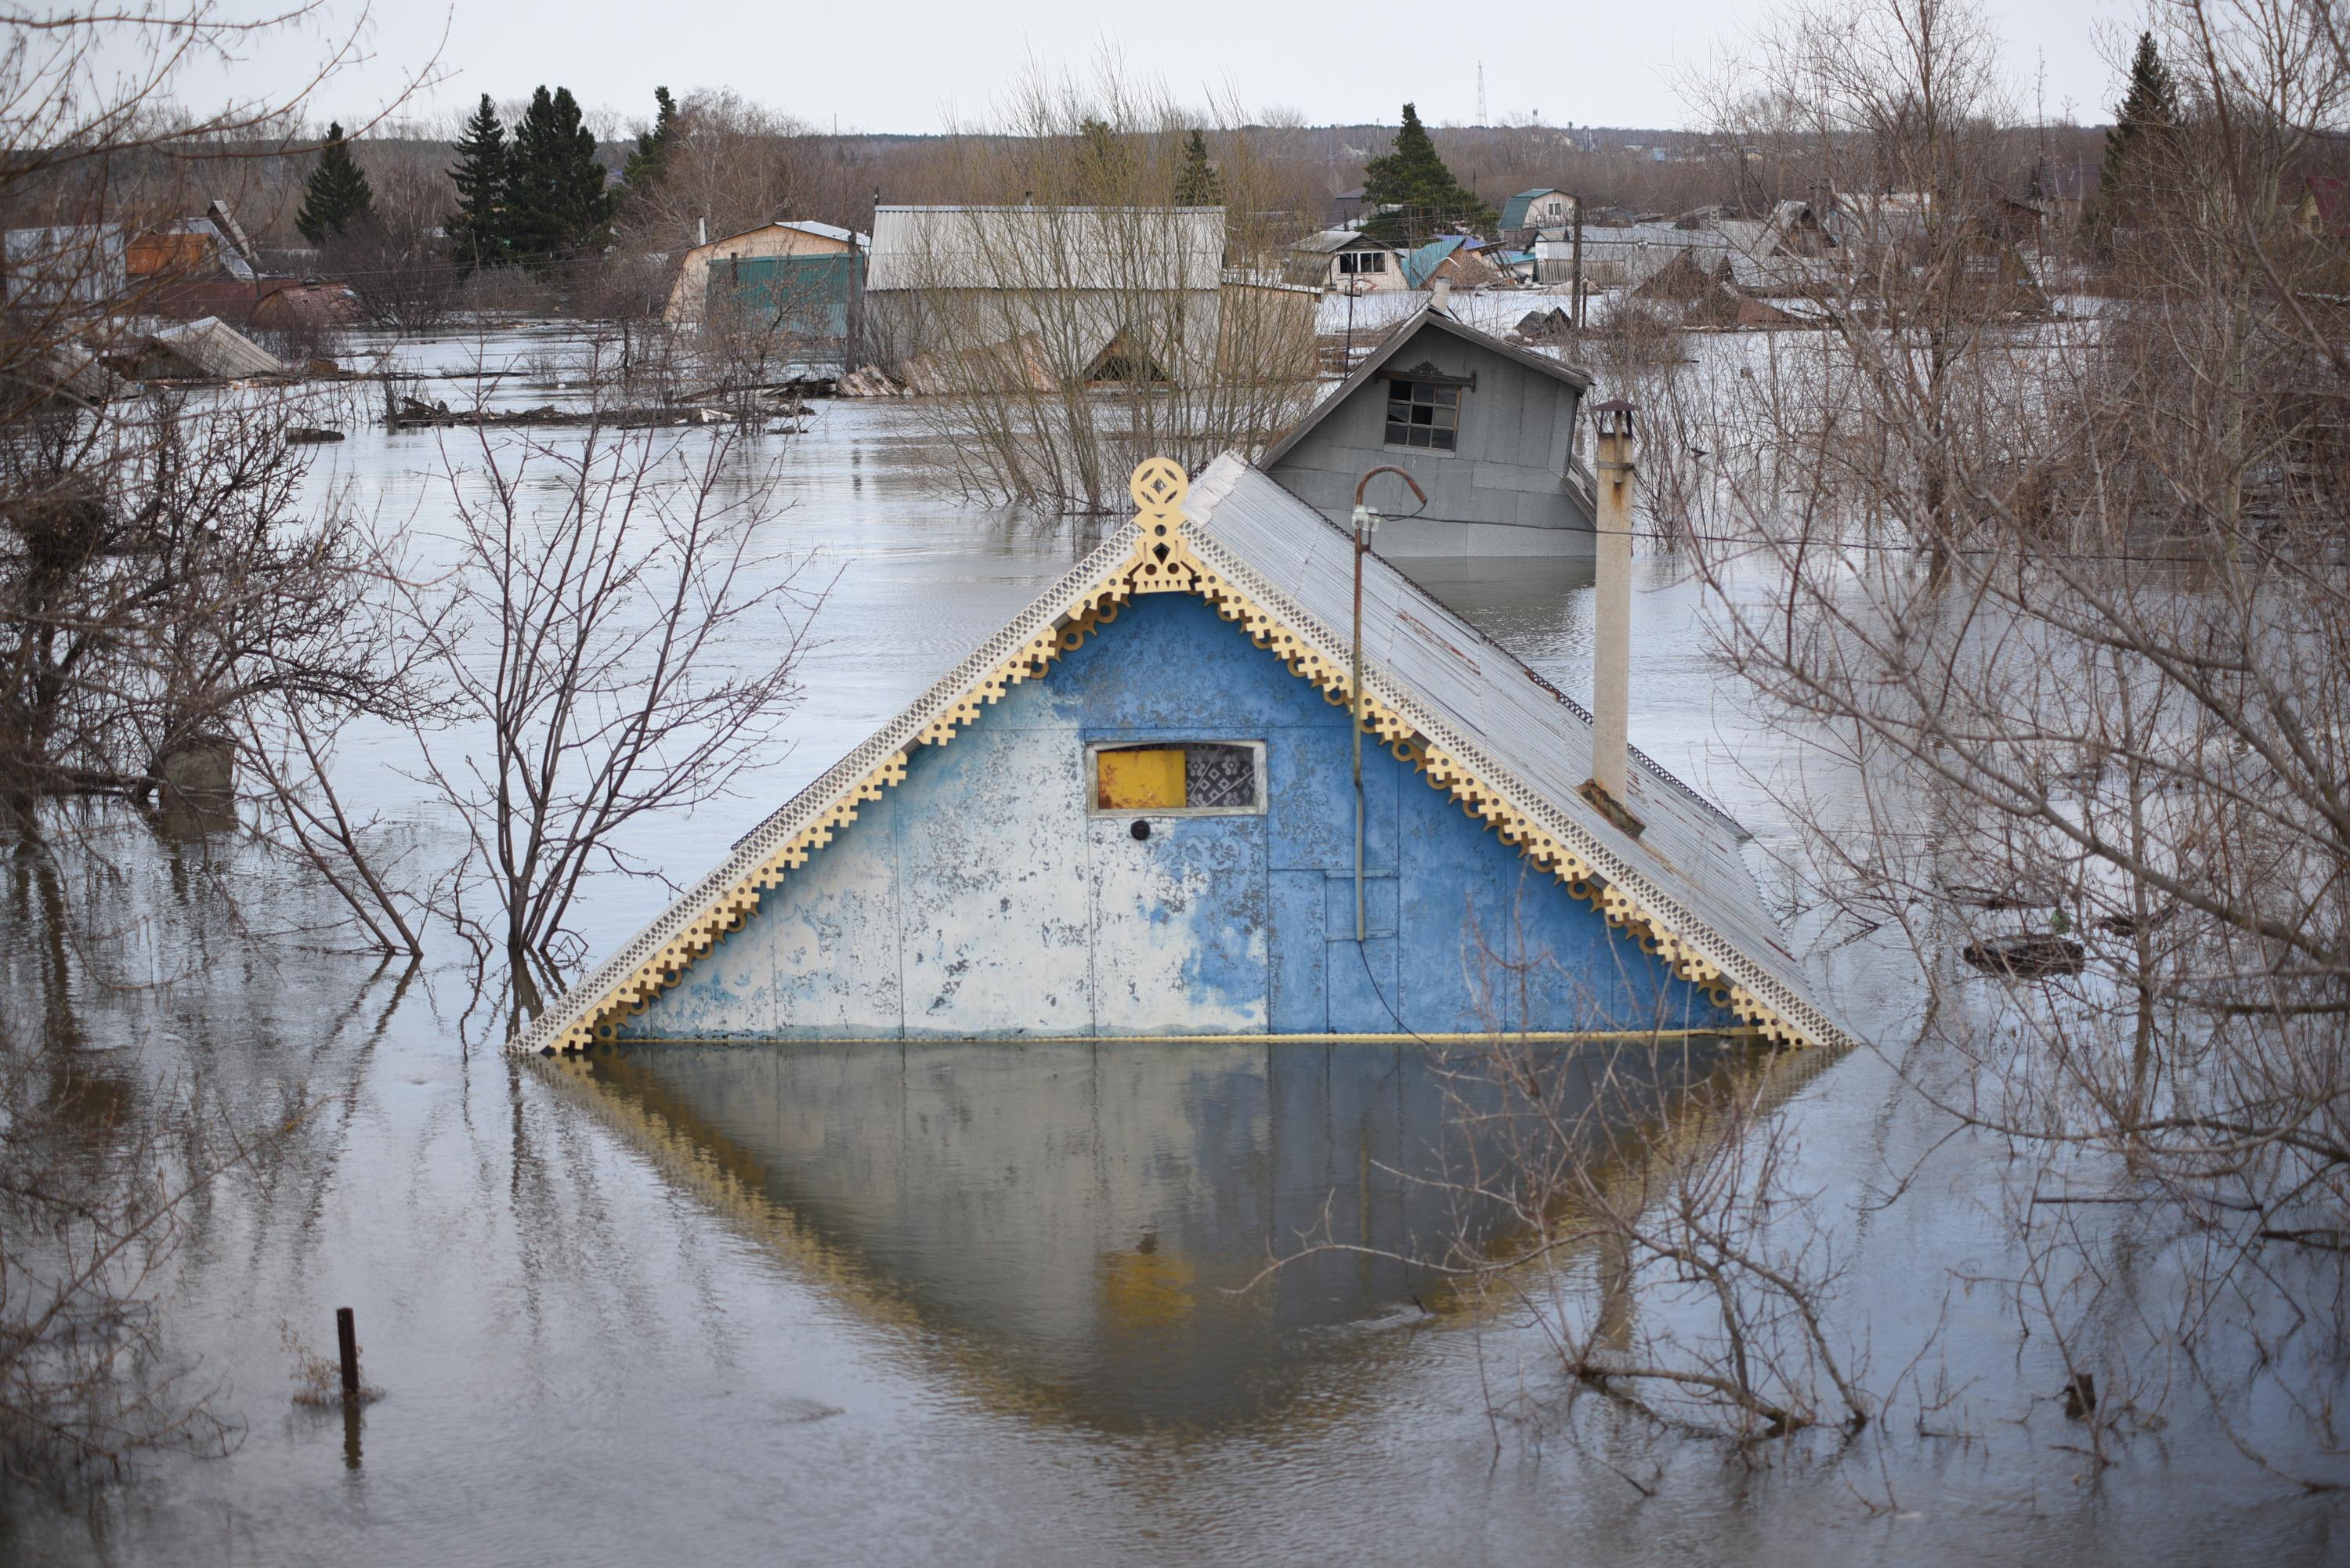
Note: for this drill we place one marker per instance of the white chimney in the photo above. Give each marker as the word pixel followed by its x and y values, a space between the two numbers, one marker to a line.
pixel 702 230
pixel 1611 646
pixel 1440 295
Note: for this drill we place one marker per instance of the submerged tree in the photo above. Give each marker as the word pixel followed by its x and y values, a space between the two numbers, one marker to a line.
pixel 1412 179
pixel 478 236
pixel 337 195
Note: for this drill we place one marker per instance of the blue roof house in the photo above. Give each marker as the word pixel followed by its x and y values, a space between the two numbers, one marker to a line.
pixel 1131 814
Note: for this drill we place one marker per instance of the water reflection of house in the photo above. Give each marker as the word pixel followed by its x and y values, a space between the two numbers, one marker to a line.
pixel 1080 1224
pixel 1132 814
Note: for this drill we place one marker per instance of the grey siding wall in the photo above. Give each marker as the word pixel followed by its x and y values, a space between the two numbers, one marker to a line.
pixel 1506 484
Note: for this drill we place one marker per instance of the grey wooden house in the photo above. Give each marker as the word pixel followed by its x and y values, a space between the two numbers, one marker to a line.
pixel 1487 429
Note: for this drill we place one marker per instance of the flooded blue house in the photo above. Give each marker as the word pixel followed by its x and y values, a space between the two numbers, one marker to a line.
pixel 1133 812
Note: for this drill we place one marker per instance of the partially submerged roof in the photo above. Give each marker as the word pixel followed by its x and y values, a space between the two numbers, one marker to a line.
pixel 1149 248
pixel 1371 368
pixel 1468 716
pixel 211 346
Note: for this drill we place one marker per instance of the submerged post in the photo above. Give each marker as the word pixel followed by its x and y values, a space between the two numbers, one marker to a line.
pixel 1611 643
pixel 347 1337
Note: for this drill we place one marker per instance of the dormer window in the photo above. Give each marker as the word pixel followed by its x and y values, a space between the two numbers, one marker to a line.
pixel 1424 407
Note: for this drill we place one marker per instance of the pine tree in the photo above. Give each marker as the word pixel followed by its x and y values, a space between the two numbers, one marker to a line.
pixel 645 164
pixel 477 230
pixel 2142 131
pixel 337 194
pixel 1104 162
pixel 1196 184
pixel 1413 178
pixel 557 202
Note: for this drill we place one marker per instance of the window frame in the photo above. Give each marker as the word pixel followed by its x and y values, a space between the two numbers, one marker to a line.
pixel 1095 811
pixel 1409 385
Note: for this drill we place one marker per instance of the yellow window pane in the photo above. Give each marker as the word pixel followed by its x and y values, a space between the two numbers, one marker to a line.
pixel 1141 778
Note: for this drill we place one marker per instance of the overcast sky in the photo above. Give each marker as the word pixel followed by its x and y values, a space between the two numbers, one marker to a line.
pixel 918 65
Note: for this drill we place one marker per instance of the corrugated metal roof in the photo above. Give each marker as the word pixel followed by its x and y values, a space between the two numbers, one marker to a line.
pixel 1417 266
pixel 1521 735
pixel 214 347
pixel 1153 249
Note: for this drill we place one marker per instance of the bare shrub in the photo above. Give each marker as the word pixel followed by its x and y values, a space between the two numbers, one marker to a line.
pixel 614 634
pixel 2060 613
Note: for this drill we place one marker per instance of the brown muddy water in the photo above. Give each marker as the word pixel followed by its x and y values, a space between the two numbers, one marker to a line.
pixel 974 1304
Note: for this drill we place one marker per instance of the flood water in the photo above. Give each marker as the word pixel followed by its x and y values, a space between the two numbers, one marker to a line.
pixel 984 1304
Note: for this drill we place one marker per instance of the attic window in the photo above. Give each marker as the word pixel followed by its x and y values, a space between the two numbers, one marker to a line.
pixel 1363 261
pixel 1423 414
pixel 1179 778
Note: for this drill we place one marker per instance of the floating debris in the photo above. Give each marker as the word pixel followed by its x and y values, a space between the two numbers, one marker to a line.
pixel 310 435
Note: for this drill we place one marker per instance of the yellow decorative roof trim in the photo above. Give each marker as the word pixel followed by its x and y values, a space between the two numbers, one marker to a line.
pixel 1152 554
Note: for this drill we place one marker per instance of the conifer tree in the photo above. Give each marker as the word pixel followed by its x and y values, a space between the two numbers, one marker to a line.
pixel 2142 129
pixel 645 164
pixel 1104 162
pixel 1196 184
pixel 557 202
pixel 477 230
pixel 337 194
pixel 1413 178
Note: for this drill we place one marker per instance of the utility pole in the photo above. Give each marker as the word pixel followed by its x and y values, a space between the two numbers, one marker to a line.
pixel 1578 311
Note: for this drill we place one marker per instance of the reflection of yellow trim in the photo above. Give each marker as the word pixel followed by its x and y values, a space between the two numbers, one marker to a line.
pixel 1162 560
pixel 1533 1037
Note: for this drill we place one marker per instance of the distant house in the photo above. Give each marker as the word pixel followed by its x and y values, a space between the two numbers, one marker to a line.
pixel 1527 213
pixel 78 264
pixel 795 277
pixel 2061 190
pixel 210 248
pixel 1703 298
pixel 1347 208
pixel 1129 816
pixel 1488 429
pixel 1343 258
pixel 1048 290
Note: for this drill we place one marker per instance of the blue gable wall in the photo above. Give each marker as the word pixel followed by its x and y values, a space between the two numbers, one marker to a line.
pixel 979 899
